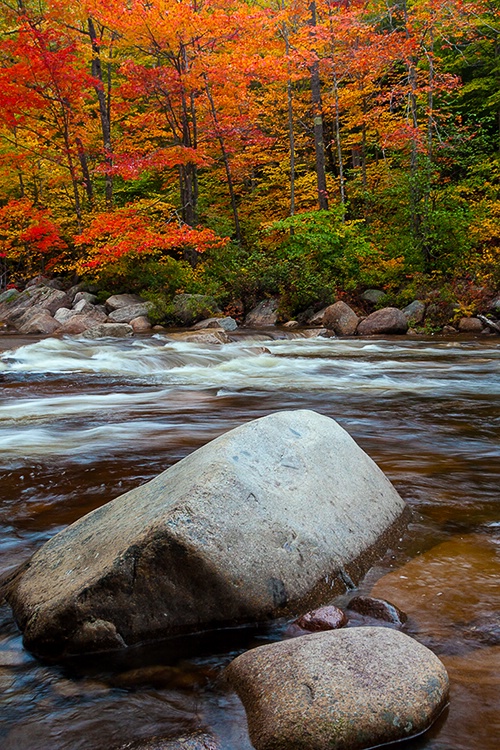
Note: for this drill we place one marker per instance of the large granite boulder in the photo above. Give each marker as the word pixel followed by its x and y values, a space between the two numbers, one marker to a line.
pixel 140 324
pixel 340 318
pixel 415 312
pixel 109 330
pixel 265 314
pixel 129 312
pixel 339 690
pixel 202 336
pixel 271 518
pixel 40 322
pixel 387 320
pixel 470 325
pixel 117 301
pixel 227 324
pixel 15 306
pixel 80 322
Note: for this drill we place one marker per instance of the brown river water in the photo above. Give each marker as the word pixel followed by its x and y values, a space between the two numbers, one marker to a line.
pixel 81 422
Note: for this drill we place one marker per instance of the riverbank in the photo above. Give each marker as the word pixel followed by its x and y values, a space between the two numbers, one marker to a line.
pixel 48 307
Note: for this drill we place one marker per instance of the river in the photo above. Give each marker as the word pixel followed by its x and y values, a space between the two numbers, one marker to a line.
pixel 81 422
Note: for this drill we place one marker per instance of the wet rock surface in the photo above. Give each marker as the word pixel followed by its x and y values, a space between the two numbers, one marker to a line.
pixel 376 609
pixel 323 618
pixel 343 690
pixel 196 741
pixel 268 518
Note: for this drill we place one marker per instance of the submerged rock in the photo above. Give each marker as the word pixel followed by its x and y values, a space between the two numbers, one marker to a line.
pixel 377 609
pixel 324 618
pixel 446 590
pixel 272 517
pixel 343 689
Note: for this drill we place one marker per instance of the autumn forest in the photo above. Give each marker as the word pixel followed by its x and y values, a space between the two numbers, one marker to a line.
pixel 246 148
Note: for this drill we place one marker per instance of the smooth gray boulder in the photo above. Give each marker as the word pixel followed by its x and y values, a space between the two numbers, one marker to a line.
pixel 203 336
pixel 113 330
pixel 386 320
pixel 341 319
pixel 264 315
pixel 339 690
pixel 87 296
pixel 82 306
pixel 116 301
pixel 316 319
pixel 63 314
pixel 140 324
pixel 415 312
pixel 227 324
pixel 269 519
pixel 128 312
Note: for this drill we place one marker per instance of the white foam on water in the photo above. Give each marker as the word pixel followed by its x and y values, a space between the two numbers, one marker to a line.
pixel 39 442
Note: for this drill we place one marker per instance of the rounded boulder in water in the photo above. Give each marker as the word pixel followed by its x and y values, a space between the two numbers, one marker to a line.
pixel 339 690
pixel 273 517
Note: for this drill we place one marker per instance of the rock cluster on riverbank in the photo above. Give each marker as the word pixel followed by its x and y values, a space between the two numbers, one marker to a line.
pixel 45 307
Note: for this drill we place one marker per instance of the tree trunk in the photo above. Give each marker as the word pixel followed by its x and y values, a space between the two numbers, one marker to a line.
pixel 104 110
pixel 82 157
pixel 319 147
pixel 225 159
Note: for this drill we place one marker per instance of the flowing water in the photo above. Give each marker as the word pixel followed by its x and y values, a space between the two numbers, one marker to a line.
pixel 81 422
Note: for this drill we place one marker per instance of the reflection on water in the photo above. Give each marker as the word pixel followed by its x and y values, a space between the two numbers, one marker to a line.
pixel 82 422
